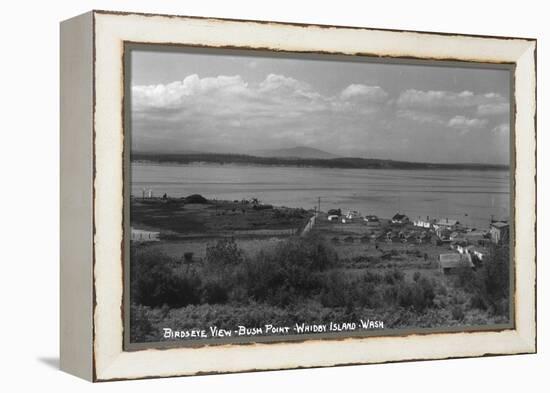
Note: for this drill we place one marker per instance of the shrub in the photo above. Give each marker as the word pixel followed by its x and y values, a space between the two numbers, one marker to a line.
pixel 418 294
pixel 393 276
pixel 258 277
pixel 495 275
pixel 214 292
pixel 154 282
pixel 428 291
pixel 371 277
pixel 367 294
pixel 336 290
pixel 441 289
pixel 467 279
pixel 490 285
pixel 320 255
pixel 291 267
pixel 196 198
pixel 373 290
pixel 477 301
pixel 310 254
pixel 223 254
pixel 140 325
pixel 457 313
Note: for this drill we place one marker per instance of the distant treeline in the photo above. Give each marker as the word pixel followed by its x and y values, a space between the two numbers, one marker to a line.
pixel 343 162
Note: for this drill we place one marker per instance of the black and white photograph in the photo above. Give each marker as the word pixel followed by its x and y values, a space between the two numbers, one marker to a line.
pixel 236 196
pixel 286 196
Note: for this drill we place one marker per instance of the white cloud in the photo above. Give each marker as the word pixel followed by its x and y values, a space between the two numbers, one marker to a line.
pixel 368 93
pixel 420 116
pixel 413 98
pixel 465 110
pixel 464 123
pixel 501 129
pixel 177 93
pixel 500 108
pixel 274 82
pixel 227 113
pixel 433 99
pixel 197 109
pixel 276 96
pixel 466 94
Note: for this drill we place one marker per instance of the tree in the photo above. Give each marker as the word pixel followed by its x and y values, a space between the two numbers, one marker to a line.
pixel 495 278
pixel 223 254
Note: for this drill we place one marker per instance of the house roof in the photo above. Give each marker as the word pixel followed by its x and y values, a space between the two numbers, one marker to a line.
pixel 499 224
pixel 399 216
pixel 143 232
pixel 474 233
pixel 446 221
pixel 454 260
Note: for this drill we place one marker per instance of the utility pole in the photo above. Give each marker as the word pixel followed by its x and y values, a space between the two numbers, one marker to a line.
pixel 318 204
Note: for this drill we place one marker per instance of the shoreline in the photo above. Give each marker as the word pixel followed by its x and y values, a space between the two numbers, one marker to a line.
pixel 382 223
pixel 334 163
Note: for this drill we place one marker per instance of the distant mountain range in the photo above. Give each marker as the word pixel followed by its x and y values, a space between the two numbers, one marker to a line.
pixel 295 152
pixel 304 160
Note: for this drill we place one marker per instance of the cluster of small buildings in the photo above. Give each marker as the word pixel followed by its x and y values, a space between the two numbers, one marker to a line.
pixel 469 245
pixel 351 216
pixel 452 230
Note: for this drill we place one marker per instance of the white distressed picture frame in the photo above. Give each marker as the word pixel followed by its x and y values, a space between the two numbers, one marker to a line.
pixel 92 154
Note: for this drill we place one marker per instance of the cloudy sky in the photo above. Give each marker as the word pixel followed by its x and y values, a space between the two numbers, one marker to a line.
pixel 197 101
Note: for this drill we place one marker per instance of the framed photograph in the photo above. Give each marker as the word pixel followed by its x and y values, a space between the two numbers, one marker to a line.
pixel 246 195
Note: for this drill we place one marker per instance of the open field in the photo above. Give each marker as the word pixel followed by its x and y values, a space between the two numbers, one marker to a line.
pixel 178 218
pixel 177 248
pixel 189 227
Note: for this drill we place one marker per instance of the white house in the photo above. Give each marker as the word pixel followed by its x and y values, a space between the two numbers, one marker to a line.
pixel 352 214
pixel 500 232
pixel 452 262
pixel 479 253
pixel 399 219
pixel 464 249
pixel 140 235
pixel 447 223
pixel 475 236
pixel 421 223
pixel 457 237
